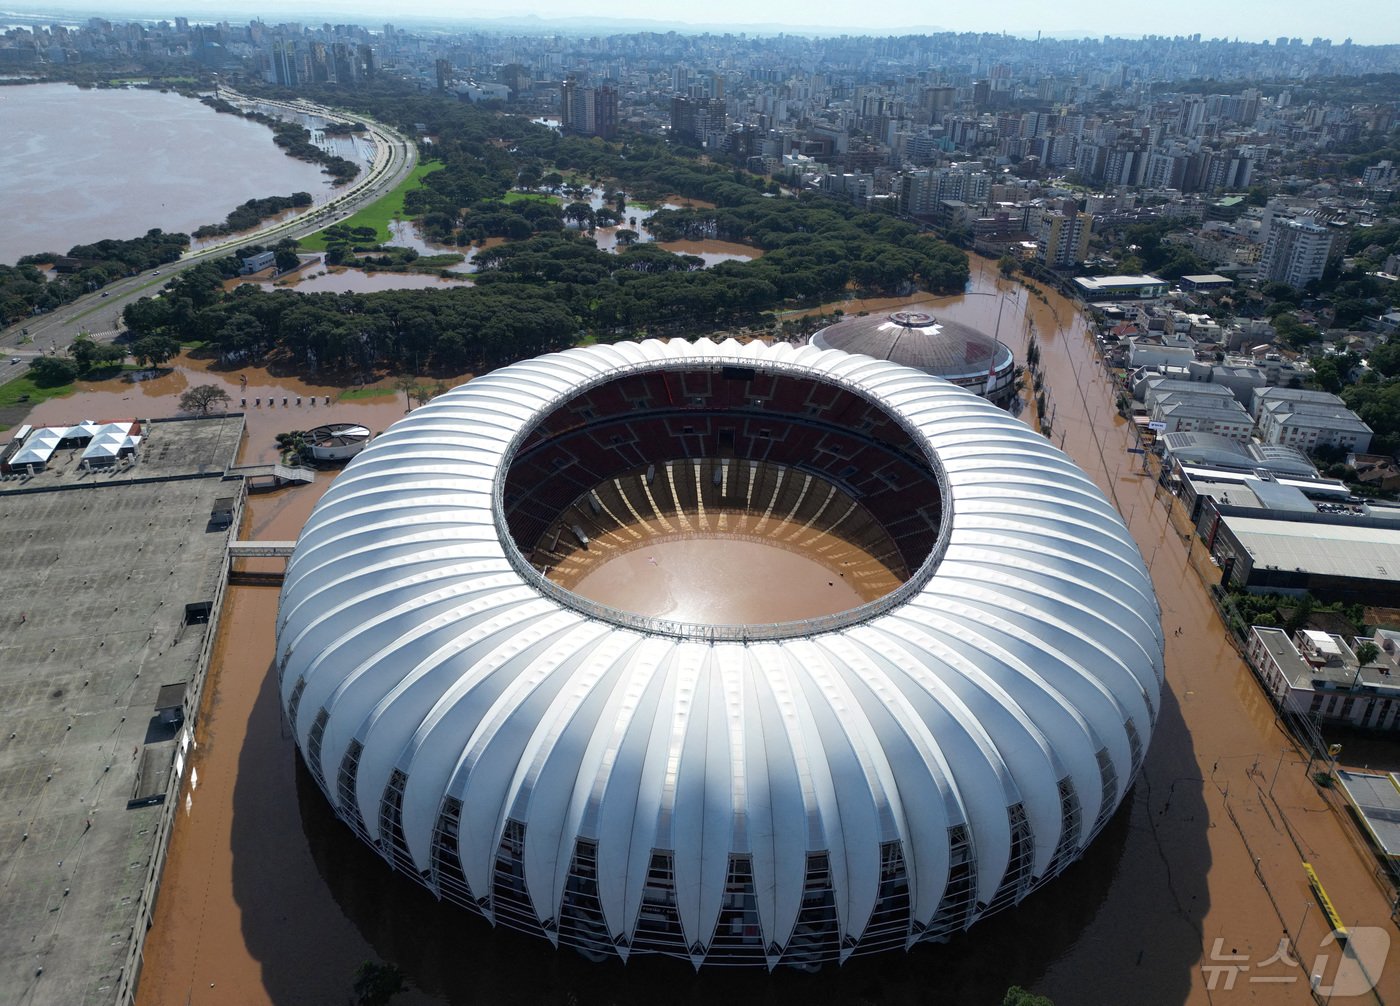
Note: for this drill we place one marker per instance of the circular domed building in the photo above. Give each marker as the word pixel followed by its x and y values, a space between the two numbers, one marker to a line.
pixel 916 337
pixel 938 685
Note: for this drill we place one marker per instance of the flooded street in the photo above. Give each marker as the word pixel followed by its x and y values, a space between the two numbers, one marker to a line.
pixel 267 899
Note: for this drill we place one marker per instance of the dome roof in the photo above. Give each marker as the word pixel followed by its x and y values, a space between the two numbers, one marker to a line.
pixel 626 787
pixel 916 337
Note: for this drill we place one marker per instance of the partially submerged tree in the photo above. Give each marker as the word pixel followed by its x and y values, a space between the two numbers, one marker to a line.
pixel 203 399
pixel 153 350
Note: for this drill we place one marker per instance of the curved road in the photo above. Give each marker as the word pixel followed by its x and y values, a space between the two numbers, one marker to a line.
pixel 99 313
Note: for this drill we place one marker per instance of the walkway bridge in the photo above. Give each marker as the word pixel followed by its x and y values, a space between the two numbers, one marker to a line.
pixel 278 476
pixel 240 577
pixel 260 549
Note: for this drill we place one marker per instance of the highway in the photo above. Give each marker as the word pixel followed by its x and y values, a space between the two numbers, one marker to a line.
pixel 99 313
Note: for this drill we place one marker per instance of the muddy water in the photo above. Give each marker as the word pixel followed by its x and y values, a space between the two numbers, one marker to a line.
pixel 130 160
pixel 272 402
pixel 405 234
pixel 720 581
pixel 714 252
pixel 267 899
pixel 320 278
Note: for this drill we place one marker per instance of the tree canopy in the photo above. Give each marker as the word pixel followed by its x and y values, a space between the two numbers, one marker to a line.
pixel 203 399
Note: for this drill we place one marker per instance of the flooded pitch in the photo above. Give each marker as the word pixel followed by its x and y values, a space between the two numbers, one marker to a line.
pixel 720 580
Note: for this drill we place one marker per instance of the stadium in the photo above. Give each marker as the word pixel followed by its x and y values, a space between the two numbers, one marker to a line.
pixel 916 337
pixel 940 683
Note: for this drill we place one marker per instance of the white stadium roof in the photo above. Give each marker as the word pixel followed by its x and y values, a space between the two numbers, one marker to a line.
pixel 975 727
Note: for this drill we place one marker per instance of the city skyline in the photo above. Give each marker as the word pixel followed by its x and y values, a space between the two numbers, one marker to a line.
pixel 1363 21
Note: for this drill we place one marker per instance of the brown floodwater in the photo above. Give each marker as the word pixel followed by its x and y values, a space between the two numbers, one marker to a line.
pixel 406 234
pixel 714 252
pixel 275 403
pixel 125 161
pixel 718 579
pixel 320 278
pixel 267 899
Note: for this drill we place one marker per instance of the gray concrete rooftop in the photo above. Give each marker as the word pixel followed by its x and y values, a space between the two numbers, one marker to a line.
pixel 169 447
pixel 92 624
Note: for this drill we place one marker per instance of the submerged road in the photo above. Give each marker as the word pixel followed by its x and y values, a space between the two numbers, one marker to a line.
pixel 99 313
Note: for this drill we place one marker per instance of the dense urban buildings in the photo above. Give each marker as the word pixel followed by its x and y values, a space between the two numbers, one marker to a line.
pixel 1011 142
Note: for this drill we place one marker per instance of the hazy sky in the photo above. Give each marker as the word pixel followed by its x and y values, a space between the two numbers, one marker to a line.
pixel 1369 21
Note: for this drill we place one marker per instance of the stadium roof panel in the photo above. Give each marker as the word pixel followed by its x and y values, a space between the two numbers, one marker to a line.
pixel 605 782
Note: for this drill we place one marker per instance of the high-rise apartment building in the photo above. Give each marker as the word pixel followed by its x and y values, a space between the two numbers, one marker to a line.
pixel 693 118
pixel 1064 238
pixel 587 111
pixel 1298 251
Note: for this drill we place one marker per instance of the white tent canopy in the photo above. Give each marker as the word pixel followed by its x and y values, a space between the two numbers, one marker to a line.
pixel 38 448
pixel 104 441
pixel 109 442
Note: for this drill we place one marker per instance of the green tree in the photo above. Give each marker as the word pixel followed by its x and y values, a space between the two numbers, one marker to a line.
pixel 1367 652
pixel 146 316
pixel 89 354
pixel 1292 332
pixel 581 213
pixel 52 371
pixel 1302 611
pixel 153 350
pixel 203 399
pixel 1326 375
pixel 1385 359
pixel 286 259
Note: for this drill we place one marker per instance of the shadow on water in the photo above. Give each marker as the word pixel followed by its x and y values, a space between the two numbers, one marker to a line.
pixel 1125 921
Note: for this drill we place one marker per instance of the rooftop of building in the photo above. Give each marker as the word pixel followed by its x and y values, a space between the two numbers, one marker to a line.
pixel 1356 551
pixel 1225 410
pixel 1376 798
pixel 1312 658
pixel 1283 394
pixel 93 630
pixel 169 448
pixel 918 337
pixel 1115 282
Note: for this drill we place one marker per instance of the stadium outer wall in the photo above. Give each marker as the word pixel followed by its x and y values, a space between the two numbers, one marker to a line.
pixel 775 795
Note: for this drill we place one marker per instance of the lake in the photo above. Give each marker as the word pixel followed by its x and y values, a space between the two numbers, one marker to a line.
pixel 79 166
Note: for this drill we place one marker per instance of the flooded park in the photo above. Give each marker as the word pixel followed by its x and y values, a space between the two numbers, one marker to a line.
pixel 268 899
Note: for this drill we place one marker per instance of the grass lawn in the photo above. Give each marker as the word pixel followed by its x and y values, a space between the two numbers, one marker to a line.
pixel 353 393
pixel 378 213
pixel 12 391
pixel 521 197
